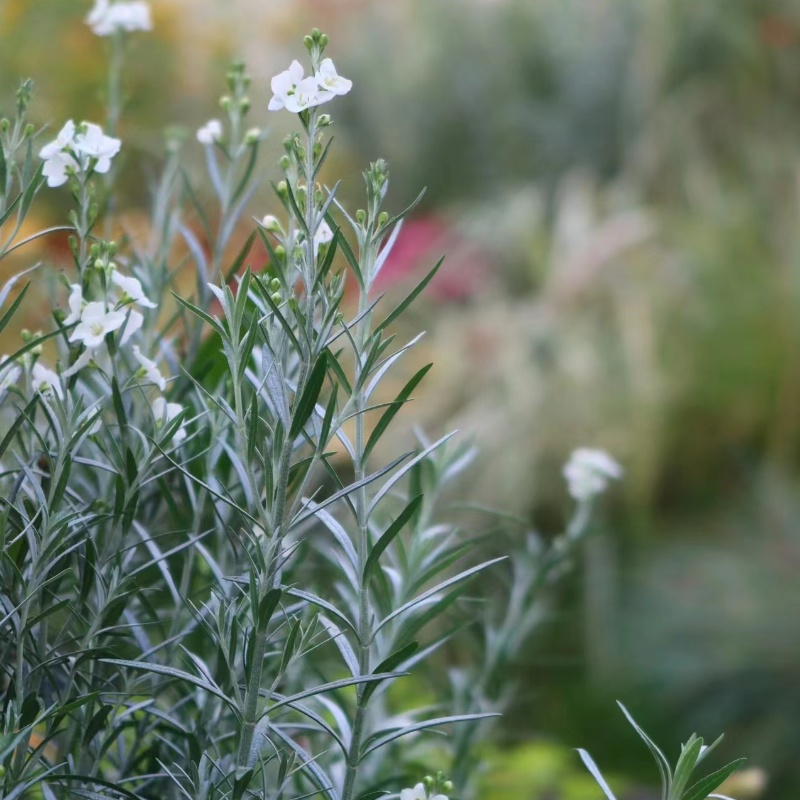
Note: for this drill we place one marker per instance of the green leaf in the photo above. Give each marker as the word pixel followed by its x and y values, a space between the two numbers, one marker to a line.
pixel 391 412
pixel 17 424
pixel 706 785
pixel 389 665
pixel 6 318
pixel 96 723
pixel 660 759
pixel 304 407
pixel 592 767
pixel 686 763
pixel 410 297
pixel 387 537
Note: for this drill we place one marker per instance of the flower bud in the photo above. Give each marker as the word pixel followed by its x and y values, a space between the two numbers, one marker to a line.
pixel 283 189
pixel 318 196
pixel 274 285
pixel 244 104
pixel 323 120
pixel 308 42
pixel 427 782
pixel 4 124
pixel 25 335
pixel 315 34
pixel 323 40
pixel 99 264
pixel 36 350
pixel 271 224
pixel 361 216
pixel 225 102
pixel 112 248
pixel 383 218
pixel 285 162
pixel 280 252
pixel 276 297
pixel 288 143
pixel 253 136
pixel 447 787
pixel 29 129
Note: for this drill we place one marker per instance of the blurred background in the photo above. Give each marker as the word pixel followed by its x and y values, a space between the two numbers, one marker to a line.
pixel 616 185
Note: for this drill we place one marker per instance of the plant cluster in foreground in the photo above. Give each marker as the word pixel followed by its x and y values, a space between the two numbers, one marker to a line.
pixel 213 581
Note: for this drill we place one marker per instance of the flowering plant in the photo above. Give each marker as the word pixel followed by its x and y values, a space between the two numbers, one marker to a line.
pixel 213 578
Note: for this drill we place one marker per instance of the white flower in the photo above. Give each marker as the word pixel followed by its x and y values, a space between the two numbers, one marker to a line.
pixel 75 304
pixel 95 323
pixel 210 132
pixel 306 94
pixel 588 472
pixel 149 369
pixel 46 380
pixel 330 81
pixel 164 412
pixel 323 235
pixel 284 84
pixel 419 793
pixel 56 158
pixel 77 148
pixel 92 143
pixel 9 373
pixel 135 320
pixel 107 18
pixel 131 290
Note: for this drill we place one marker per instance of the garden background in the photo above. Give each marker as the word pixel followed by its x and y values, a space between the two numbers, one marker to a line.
pixel 616 185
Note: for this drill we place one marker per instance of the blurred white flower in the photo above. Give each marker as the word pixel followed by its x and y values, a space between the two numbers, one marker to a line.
pixel 419 793
pixel 210 132
pixel 164 412
pixel 135 320
pixel 283 84
pixel 149 369
pixel 131 290
pixel 107 18
pixel 9 373
pixel 330 81
pixel 95 323
pixel 46 380
pixel 588 472
pixel 81 147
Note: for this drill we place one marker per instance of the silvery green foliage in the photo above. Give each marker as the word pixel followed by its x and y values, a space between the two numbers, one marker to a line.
pixel 213 581
pixel 677 782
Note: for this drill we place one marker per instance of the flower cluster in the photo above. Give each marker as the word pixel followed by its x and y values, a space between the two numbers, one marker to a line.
pixel 43 380
pixel 81 148
pixel 97 318
pixel 589 472
pixel 106 18
pixel 296 93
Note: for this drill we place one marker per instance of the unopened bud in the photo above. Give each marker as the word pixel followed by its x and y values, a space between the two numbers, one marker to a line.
pixel 283 189
pixel 318 196
pixel 112 248
pixel 315 34
pixel 253 136
pixel 427 782
pixel 274 285
pixel 225 102
pixel 29 129
pixel 447 787
pixel 36 350
pixel 285 162
pixel 280 252
pixel 308 42
pixel 361 216
pixel 323 120
pixel 383 218
pixel 271 224
pixel 323 40
pixel 25 335
pixel 5 124
pixel 99 264
pixel 276 297
pixel 244 104
pixel 288 143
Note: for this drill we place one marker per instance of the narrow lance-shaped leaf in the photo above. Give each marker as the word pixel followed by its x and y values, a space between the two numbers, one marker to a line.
pixel 390 533
pixel 705 786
